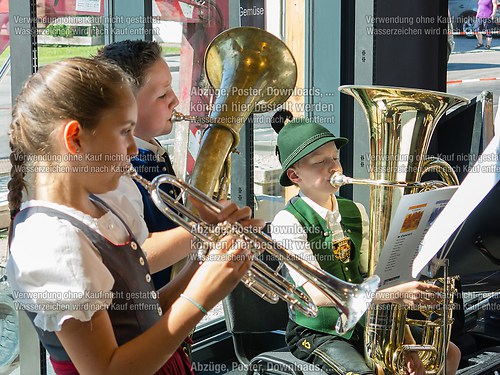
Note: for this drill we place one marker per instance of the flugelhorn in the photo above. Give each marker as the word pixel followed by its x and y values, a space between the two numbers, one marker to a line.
pixel 351 300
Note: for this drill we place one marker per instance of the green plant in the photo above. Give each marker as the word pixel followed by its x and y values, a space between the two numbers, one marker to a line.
pixel 63 31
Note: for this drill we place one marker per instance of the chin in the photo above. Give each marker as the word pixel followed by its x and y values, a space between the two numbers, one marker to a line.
pixel 168 128
pixel 108 186
pixel 333 190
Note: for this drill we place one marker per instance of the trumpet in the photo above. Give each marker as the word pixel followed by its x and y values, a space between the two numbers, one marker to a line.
pixel 351 300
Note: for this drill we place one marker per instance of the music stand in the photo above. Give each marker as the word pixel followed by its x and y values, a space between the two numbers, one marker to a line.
pixel 477 244
pixel 481 180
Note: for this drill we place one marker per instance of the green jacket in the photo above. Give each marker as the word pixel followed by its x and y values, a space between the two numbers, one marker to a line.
pixel 320 241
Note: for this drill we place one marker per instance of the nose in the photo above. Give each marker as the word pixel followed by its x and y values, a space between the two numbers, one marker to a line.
pixel 174 102
pixel 132 149
pixel 335 165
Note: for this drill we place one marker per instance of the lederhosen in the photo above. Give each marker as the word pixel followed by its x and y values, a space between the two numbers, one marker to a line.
pixel 147 166
pixel 129 268
pixel 315 339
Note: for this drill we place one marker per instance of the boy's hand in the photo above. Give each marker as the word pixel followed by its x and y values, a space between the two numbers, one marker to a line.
pixel 414 365
pixel 413 293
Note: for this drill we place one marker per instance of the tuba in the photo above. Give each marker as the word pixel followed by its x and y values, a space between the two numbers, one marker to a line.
pixel 401 122
pixel 252 71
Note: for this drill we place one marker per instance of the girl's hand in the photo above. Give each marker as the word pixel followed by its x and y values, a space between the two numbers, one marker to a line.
pixel 412 294
pixel 230 212
pixel 220 272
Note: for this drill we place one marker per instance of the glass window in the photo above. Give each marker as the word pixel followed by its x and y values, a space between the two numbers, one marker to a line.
pixel 68 29
pixel 472 64
pixel 9 335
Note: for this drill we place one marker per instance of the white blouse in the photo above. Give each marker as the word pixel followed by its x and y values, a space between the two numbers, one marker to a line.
pixel 288 232
pixel 55 271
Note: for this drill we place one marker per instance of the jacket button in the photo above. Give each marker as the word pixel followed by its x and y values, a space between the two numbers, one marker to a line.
pixel 133 245
pixel 346 268
pixel 325 234
pixel 348 231
pixel 350 280
pixel 171 192
pixel 159 310
pixel 141 261
pixel 148 277
pixel 164 169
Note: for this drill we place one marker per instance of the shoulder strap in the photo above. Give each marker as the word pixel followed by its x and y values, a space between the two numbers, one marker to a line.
pixel 93 235
pixel 102 202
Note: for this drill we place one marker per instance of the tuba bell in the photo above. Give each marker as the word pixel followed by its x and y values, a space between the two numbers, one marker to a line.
pixel 401 122
pixel 252 71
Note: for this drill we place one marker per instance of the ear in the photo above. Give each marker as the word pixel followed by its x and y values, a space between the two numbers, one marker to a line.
pixel 293 176
pixel 72 132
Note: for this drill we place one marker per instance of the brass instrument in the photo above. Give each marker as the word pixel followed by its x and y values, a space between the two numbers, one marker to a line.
pixel 351 300
pixel 401 122
pixel 252 71
pixel 436 328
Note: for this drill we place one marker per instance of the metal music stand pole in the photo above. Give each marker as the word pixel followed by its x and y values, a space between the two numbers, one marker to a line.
pixel 445 263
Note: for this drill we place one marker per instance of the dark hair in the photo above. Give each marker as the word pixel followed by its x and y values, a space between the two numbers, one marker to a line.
pixel 278 122
pixel 78 89
pixel 133 56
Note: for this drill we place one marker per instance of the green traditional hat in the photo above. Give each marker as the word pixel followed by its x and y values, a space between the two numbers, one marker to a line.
pixel 299 138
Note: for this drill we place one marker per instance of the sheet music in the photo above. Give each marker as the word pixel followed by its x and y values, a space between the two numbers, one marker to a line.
pixel 483 176
pixel 413 218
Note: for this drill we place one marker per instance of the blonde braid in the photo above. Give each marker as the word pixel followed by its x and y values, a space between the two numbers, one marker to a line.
pixel 16 183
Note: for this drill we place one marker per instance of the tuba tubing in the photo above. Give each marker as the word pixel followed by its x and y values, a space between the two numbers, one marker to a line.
pixel 351 300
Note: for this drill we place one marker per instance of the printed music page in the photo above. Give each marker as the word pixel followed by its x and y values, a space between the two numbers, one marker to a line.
pixel 413 218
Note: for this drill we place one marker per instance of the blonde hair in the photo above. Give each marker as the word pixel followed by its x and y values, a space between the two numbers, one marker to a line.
pixel 78 89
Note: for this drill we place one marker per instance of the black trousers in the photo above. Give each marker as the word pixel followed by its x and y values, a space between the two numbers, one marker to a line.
pixel 333 354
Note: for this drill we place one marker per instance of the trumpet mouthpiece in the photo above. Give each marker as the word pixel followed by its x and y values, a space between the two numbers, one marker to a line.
pixel 338 179
pixel 177 116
